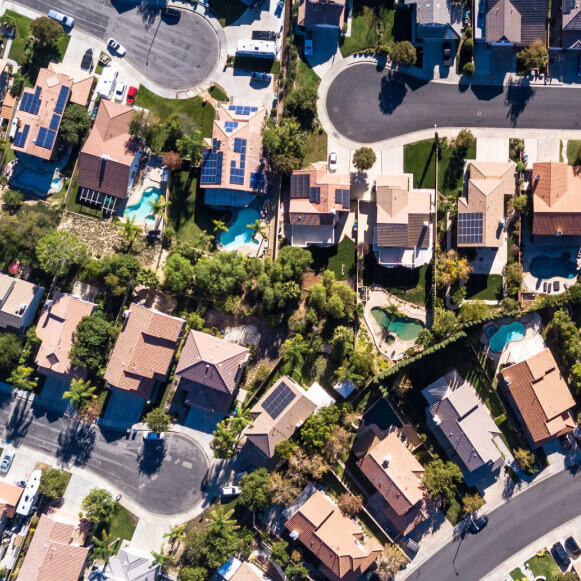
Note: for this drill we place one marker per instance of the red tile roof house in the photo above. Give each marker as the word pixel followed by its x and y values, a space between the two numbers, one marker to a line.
pixel 338 542
pixel 209 370
pixel 540 397
pixel 317 201
pixel 109 160
pixel 9 497
pixel 321 14
pixel 19 301
pixel 56 552
pixel 141 359
pixel 58 321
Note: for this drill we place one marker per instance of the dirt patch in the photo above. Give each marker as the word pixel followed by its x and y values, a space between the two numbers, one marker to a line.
pixel 310 279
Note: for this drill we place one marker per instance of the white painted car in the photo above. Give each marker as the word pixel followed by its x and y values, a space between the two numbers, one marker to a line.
pixel 228 491
pixel 116 47
pixel 120 90
pixel 333 161
pixel 67 21
pixel 7 461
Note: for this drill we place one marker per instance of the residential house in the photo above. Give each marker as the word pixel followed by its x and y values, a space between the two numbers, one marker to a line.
pixel 403 233
pixel 129 565
pixel 19 301
pixel 276 417
pixel 540 397
pixel 397 476
pixel 9 498
pixel 556 189
pixel 481 221
pixel 56 551
pixel 432 19
pixel 233 169
pixel 235 570
pixel 317 199
pixel 209 370
pixel 515 22
pixel 321 14
pixel 109 159
pixel 82 82
pixel 463 426
pixel 570 24
pixel 141 358
pixel 58 321
pixel 4 79
pixel 345 552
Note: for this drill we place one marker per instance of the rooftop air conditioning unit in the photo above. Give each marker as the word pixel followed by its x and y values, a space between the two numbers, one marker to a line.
pixel 437 420
pixel 507 380
pixel 559 232
pixel 294 535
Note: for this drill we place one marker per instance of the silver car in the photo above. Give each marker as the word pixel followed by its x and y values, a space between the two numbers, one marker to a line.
pixel 7 461
pixel 116 47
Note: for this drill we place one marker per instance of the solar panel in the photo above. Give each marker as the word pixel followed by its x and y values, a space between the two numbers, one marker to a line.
pixel 61 102
pixel 253 109
pixel 30 103
pixel 37 92
pixel 55 121
pixel 300 185
pixel 230 125
pixel 45 138
pixel 470 228
pixel 239 145
pixel 211 167
pixel 231 107
pixel 315 195
pixel 278 400
pixel 216 144
pixel 343 197
pixel 241 110
pixel 257 180
pixel 20 137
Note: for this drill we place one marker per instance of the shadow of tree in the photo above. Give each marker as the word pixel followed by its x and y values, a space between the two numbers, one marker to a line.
pixel 148 13
pixel 151 457
pixel 19 422
pixel 455 168
pixel 392 93
pixel 518 96
pixel 76 443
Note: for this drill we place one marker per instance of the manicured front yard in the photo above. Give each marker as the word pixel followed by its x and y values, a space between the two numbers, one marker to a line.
pixel 574 151
pixel 484 287
pixel 544 566
pixel 517 574
pixel 340 259
pixel 123 524
pixel 217 93
pixel 372 25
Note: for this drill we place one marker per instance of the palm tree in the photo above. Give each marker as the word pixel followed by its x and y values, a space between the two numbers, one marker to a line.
pixel 220 521
pixel 258 227
pixel 295 349
pixel 345 373
pixel 130 230
pixel 191 146
pixel 161 559
pixel 175 534
pixel 20 378
pixel 220 225
pixel 102 548
pixel 159 207
pixel 79 393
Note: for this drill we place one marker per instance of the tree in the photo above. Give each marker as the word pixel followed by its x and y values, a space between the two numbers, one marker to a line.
pixel 130 229
pixel 191 146
pixel 157 421
pixel 307 467
pixel 441 480
pixel 258 228
pixel 148 277
pixel 525 459
pixel 102 547
pixel 473 311
pixel 567 576
pixel 10 350
pixel 344 373
pixel 403 53
pixel 350 504
pixel 175 533
pixel 144 126
pixel 285 146
pixel 451 269
pixel 465 139
pixel 79 393
pixel 469 69
pixel 46 31
pixel 513 277
pixel 220 521
pixel 302 103
pixel 99 506
pixel 193 574
pixel 179 273
pixel 256 491
pixel 12 199
pixel 390 562
pixel 279 553
pixel 220 225
pixel 295 349
pixel 336 444
pixel 159 207
pixel 297 572
pixel 284 490
pixel 364 158
pixel 317 428
pixel 509 306
pixel 20 378
pixel 172 161
pixel 519 203
pixel 53 483
pixel 161 558
pixel 91 342
pixel 425 338
pixel 75 125
pixel 445 323
pixel 472 502
pixel 17 84
pixel 60 251
pixel 535 56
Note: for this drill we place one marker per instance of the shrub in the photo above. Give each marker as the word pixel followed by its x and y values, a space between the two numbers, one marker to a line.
pixel 469 69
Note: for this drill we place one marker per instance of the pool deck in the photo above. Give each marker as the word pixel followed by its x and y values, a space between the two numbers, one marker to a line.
pixel 379 297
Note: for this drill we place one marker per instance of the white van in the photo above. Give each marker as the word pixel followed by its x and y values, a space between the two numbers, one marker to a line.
pixel 13 128
pixel 65 20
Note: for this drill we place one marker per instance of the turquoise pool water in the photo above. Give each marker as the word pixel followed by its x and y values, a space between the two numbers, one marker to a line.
pixel 406 328
pixel 142 210
pixel 238 233
pixel 499 338
pixel 544 267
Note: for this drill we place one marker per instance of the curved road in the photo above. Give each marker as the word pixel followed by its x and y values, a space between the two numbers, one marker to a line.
pixel 164 480
pixel 367 105
pixel 512 527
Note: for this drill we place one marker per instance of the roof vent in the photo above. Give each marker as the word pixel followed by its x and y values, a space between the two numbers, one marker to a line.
pixel 21 308
pixel 386 461
pixel 559 232
pixel 294 535
pixel 507 380
pixel 104 156
pixel 537 178
pixel 437 420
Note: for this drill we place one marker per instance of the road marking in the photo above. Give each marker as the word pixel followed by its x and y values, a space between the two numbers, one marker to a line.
pixel 187 465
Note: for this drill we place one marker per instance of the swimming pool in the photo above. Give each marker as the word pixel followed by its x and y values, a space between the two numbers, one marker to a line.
pixel 382 415
pixel 142 210
pixel 238 233
pixel 406 328
pixel 544 267
pixel 499 338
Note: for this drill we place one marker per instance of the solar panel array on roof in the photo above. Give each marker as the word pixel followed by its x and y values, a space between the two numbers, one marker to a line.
pixel 230 125
pixel 239 145
pixel 211 167
pixel 61 102
pixel 278 400
pixel 216 144
pixel 343 197
pixel 30 103
pixel 20 137
pixel 315 195
pixel 55 121
pixel 241 110
pixel 300 185
pixel 45 138
pixel 257 180
pixel 470 228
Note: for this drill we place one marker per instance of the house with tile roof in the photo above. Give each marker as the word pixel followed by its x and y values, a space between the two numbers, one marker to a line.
pixel 540 397
pixel 403 234
pixel 109 159
pixel 56 552
pixel 556 188
pixel 209 371
pixel 9 498
pixel 481 220
pixel 515 22
pixel 344 550
pixel 82 82
pixel 4 81
pixel 321 14
pixel 19 301
pixel 56 326
pixel 397 476
pixel 463 426
pixel 277 415
pixel 233 169
pixel 432 19
pixel 570 24
pixel 318 199
pixel 129 565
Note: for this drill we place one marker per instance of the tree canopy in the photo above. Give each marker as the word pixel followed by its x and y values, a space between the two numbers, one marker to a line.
pixel 285 146
pixel 61 251
pixel 99 506
pixel 535 56
pixel 10 350
pixel 45 30
pixel 75 125
pixel 403 53
pixel 364 158
pixel 157 421
pixel 441 480
pixel 91 342
pixel 256 491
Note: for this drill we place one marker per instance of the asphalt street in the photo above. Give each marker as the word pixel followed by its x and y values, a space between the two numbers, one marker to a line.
pixel 174 55
pixel 164 479
pixel 512 527
pixel 368 105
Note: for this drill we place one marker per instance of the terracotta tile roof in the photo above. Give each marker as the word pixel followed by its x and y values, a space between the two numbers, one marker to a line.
pixel 16 296
pixel 51 556
pixel 541 396
pixel 9 497
pixel 82 82
pixel 269 429
pixel 321 13
pixel 144 350
pixel 503 22
pixel 247 572
pixel 55 329
pixel 337 541
pixel 7 106
pixel 106 158
pixel 556 199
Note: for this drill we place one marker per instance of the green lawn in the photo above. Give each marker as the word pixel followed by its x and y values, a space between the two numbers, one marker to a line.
pixel 371 26
pixel 197 110
pixel 484 287
pixel 419 160
pixel 544 566
pixel 316 147
pixel 517 574
pixel 218 94
pixel 123 524
pixel 573 150
pixel 73 205
pixel 63 44
pixel 227 11
pixel 306 76
pixel 454 512
pixel 340 258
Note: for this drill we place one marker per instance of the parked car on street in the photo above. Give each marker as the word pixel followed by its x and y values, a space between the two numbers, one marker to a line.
pixel 171 13
pixel 447 53
pixel 261 77
pixel 309 49
pixel 572 547
pixel 116 47
pixel 560 555
pixel 229 491
pixel 67 21
pixel 333 161
pixel 477 525
pixel 152 436
pixel 7 461
pixel 131 94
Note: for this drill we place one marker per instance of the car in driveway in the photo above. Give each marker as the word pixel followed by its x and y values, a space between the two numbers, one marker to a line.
pixel 131 94
pixel 477 525
pixel 152 436
pixel 230 491
pixel 66 21
pixel 560 555
pixel 120 90
pixel 333 161
pixel 172 14
pixel 261 77
pixel 87 61
pixel 6 461
pixel 116 47
pixel 572 547
pixel 447 53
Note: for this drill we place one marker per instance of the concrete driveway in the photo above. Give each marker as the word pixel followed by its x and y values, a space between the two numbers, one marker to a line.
pixel 172 55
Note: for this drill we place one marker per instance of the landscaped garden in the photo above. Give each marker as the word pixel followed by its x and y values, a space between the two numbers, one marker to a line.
pixel 543 565
pixel 485 287
pixel 340 258
pixel 574 151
